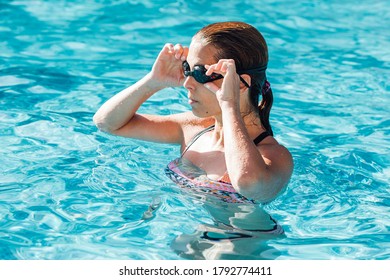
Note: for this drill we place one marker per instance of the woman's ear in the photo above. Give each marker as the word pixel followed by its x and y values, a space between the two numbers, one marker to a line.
pixel 247 79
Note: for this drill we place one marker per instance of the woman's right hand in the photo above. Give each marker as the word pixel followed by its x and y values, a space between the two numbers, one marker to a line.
pixel 167 70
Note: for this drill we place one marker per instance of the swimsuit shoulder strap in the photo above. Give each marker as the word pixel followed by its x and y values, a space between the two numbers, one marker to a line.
pixel 261 137
pixel 258 139
pixel 196 137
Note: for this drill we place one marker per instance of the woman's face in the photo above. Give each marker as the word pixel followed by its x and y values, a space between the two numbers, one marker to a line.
pixel 203 101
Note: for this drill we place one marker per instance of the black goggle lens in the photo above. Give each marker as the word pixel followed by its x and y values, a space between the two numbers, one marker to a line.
pixel 199 73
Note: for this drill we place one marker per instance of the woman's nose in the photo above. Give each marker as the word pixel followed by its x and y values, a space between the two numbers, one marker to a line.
pixel 189 82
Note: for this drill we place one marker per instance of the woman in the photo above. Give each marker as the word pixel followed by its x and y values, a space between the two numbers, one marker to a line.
pixel 227 144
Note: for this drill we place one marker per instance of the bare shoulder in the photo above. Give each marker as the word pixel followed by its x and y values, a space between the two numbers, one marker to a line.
pixel 277 157
pixel 187 121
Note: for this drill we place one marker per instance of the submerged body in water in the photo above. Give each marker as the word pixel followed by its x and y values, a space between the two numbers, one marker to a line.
pixel 241 227
pixel 240 231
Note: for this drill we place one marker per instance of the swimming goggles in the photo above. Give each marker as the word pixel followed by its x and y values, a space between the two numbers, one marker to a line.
pixel 199 73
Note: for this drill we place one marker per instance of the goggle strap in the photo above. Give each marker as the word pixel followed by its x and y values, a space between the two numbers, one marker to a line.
pixel 253 70
pixel 243 81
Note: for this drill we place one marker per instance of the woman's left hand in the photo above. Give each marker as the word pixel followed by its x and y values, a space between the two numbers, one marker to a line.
pixel 229 92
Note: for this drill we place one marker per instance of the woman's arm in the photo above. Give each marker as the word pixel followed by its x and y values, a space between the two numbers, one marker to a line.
pixel 118 115
pixel 257 172
pixel 121 108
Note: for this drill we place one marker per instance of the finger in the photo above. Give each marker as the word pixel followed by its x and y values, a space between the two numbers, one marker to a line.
pixel 215 68
pixel 224 66
pixel 184 54
pixel 230 68
pixel 229 65
pixel 168 48
pixel 178 51
pixel 210 69
pixel 220 67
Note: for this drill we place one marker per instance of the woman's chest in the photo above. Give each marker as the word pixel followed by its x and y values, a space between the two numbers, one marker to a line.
pixel 208 157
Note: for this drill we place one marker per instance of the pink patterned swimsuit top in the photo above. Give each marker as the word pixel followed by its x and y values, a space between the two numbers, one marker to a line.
pixel 188 176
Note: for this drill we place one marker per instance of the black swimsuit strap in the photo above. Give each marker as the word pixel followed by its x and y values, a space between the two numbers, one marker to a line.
pixel 196 137
pixel 261 137
pixel 257 140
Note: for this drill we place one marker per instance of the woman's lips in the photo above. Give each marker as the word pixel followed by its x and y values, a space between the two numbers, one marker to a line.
pixel 191 101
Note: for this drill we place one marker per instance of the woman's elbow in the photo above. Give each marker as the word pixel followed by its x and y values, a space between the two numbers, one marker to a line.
pixel 101 123
pixel 262 191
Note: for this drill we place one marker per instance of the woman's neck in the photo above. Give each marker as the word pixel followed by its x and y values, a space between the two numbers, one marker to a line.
pixel 251 121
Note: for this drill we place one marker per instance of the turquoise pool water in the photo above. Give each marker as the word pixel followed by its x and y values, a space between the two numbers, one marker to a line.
pixel 68 191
